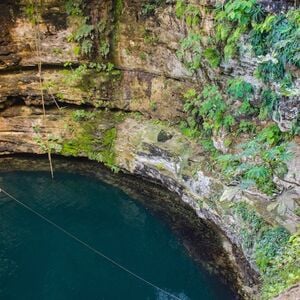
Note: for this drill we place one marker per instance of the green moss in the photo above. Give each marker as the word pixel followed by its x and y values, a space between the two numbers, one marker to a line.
pixel 251 224
pixel 270 244
pixel 97 144
pixel 284 270
pixel 81 144
pixel 273 249
pixel 108 153
pixel 118 7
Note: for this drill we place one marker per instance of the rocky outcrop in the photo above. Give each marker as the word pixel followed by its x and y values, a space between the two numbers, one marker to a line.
pixel 175 162
pixel 126 116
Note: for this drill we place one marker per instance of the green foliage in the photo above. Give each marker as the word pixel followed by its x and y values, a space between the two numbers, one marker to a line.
pixel 108 153
pixel 274 251
pixel 213 57
pixel 73 77
pixel 82 115
pixel 258 161
pixel 189 13
pixel 233 19
pixel 249 215
pixel 149 8
pixel 87 35
pixel 187 130
pixel 82 76
pixel 269 245
pixel 271 135
pixel 269 105
pixel 84 35
pixel 74 7
pixel 104 48
pixel 274 36
pixel 153 105
pixel 283 270
pixel 207 111
pixel 250 226
pixel 246 127
pixel 84 32
pixel 33 11
pixel 190 51
pixel 239 89
pixel 87 142
pixel 278 35
pixel 180 8
pixel 270 70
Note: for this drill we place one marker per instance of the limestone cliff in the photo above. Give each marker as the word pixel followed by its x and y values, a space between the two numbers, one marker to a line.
pixel 114 78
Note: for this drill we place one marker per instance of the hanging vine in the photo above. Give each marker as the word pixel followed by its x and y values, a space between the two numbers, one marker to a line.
pixel 33 11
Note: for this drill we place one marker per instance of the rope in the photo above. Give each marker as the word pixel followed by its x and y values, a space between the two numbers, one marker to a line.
pixel 38 51
pixel 88 246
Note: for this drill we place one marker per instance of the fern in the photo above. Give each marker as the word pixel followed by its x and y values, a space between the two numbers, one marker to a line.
pixel 239 89
pixel 213 57
pixel 270 100
pixel 190 51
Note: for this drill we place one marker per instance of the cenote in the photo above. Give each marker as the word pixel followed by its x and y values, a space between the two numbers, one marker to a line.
pixel 37 261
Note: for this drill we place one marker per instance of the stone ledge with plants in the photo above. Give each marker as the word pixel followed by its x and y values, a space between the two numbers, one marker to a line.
pixel 230 156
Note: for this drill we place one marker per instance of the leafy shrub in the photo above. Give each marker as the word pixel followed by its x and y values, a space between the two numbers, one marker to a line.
pixel 82 115
pixel 189 13
pixel 279 35
pixel 258 161
pixel 246 127
pixel 207 111
pixel 269 245
pixel 149 8
pixel 190 51
pixel 270 100
pixel 238 89
pixel 283 270
pixel 274 251
pixel 213 57
pixel 250 224
pixel 233 19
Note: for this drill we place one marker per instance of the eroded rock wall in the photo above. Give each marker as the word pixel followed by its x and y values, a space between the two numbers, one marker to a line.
pixel 143 100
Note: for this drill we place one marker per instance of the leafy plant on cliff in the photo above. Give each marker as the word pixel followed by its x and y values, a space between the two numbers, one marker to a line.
pixel 283 270
pixel 82 115
pixel 269 105
pixel 189 13
pixel 212 56
pixel 251 224
pixel 270 244
pixel 83 33
pixel 190 51
pixel 207 110
pixel 273 249
pixel 277 39
pixel 149 8
pixel 234 19
pixel 258 161
pixel 239 89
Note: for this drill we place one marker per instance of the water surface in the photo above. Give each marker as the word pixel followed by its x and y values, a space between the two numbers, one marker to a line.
pixel 38 262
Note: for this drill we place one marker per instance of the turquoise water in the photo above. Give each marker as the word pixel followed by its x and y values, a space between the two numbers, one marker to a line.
pixel 38 262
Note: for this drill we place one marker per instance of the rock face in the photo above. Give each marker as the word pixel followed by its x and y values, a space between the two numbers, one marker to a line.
pixel 126 115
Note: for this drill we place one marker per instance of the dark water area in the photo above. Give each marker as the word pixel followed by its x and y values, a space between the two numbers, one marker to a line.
pixel 39 262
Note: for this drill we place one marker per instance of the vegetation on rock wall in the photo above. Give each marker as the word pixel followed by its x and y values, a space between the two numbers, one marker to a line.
pixel 234 112
pixel 96 143
pixel 211 111
pixel 275 251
